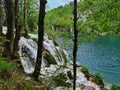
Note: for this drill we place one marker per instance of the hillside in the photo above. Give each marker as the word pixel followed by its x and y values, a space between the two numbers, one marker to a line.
pixel 99 17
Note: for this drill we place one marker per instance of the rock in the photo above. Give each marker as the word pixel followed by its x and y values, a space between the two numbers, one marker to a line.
pixel 89 88
pixel 82 86
pixel 40 88
pixel 96 81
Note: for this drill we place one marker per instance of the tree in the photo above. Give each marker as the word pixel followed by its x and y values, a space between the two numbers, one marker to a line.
pixel 40 39
pixel 25 19
pixel 0 17
pixel 15 54
pixel 103 16
pixel 75 44
pixel 9 10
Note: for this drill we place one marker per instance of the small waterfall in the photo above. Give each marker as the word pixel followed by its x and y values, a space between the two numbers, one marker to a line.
pixel 28 51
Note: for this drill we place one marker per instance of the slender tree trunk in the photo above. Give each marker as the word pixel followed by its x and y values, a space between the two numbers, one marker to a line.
pixel 75 44
pixel 9 9
pixel 25 19
pixel 15 54
pixel 0 17
pixel 40 39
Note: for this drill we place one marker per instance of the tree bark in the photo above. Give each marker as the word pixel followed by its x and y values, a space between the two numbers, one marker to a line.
pixel 15 54
pixel 9 10
pixel 25 19
pixel 75 44
pixel 0 17
pixel 40 39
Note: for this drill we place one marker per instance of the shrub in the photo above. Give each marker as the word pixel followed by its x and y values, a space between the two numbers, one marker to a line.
pixel 115 87
pixel 85 69
pixel 98 76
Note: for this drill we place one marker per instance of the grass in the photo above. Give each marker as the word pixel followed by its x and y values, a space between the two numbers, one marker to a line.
pixel 4 65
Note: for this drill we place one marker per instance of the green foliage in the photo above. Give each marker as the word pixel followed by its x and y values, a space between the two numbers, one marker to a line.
pixel 84 69
pixel 28 86
pixel 3 38
pixel 4 65
pixel 32 13
pixel 115 87
pixel 98 76
pixel 104 16
pixel 5 83
pixel 101 17
pixel 59 17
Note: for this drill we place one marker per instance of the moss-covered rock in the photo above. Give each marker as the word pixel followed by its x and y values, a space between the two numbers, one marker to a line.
pixel 94 79
pixel 69 74
pixel 35 39
pixel 49 58
pixel 60 80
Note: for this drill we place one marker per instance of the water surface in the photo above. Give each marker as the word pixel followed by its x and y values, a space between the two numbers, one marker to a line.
pixel 102 55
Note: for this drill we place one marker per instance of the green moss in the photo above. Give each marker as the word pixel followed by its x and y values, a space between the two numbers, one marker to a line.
pixel 69 74
pixel 35 39
pixel 60 80
pixel 50 59
pixel 2 38
pixel 56 44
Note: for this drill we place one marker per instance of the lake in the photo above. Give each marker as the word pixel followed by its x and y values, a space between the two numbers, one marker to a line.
pixel 101 55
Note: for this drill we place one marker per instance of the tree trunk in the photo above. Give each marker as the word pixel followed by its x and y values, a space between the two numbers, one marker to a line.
pixel 0 17
pixel 9 9
pixel 15 54
pixel 25 19
pixel 75 44
pixel 40 39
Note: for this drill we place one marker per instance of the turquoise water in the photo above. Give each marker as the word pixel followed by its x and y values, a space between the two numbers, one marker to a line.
pixel 101 55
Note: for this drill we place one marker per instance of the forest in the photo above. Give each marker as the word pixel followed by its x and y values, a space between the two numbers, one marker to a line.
pixel 72 47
